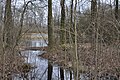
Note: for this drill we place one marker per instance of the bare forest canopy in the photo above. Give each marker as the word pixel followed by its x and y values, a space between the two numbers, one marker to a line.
pixel 38 10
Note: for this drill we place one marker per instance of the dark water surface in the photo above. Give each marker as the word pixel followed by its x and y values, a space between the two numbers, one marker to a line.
pixel 40 70
pixel 40 64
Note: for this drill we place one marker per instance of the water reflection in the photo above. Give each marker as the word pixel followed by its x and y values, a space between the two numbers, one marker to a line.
pixel 38 35
pixel 35 43
pixel 40 64
pixel 40 70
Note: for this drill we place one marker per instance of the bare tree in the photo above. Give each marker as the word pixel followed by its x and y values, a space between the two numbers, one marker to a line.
pixel 75 39
pixel 71 21
pixel 50 26
pixel 94 35
pixel 62 31
pixel 8 24
pixel 50 37
pixel 8 40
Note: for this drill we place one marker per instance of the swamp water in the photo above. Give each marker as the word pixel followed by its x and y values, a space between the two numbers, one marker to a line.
pixel 41 65
pixel 40 70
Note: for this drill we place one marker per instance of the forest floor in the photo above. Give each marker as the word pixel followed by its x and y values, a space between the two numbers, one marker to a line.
pixel 107 57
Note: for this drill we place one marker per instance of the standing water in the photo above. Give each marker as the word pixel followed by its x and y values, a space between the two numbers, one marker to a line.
pixel 40 70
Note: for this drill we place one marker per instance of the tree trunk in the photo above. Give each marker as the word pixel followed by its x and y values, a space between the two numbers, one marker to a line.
pixel 50 37
pixel 94 36
pixel 116 9
pixel 1 13
pixel 50 69
pixel 62 31
pixel 61 74
pixel 8 42
pixel 93 21
pixel 50 26
pixel 71 22
pixel 70 75
pixel 8 24
pixel 93 10
pixel 76 46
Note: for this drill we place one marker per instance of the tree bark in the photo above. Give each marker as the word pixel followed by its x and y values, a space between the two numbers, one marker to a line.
pixel 61 74
pixel 50 69
pixel 93 10
pixel 70 75
pixel 8 24
pixel 50 37
pixel 50 26
pixel 116 9
pixel 62 31
pixel 94 36
pixel 75 39
pixel 71 21
pixel 8 42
